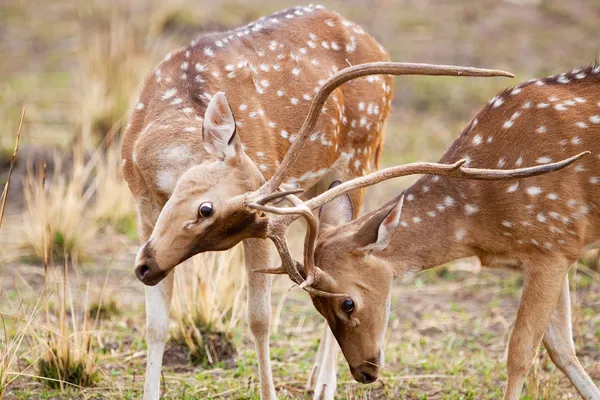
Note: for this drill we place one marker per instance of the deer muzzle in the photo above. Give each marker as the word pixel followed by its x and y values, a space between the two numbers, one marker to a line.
pixel 367 371
pixel 147 269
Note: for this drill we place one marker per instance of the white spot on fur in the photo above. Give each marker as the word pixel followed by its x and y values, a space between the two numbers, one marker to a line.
pixel 460 234
pixel 541 129
pixel 166 181
pixel 534 190
pixel 544 160
pixel 471 209
pixel 168 94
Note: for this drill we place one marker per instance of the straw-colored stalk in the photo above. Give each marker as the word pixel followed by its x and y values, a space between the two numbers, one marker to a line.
pixel 208 296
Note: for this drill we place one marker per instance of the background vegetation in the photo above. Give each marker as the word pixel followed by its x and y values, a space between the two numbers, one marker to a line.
pixel 71 309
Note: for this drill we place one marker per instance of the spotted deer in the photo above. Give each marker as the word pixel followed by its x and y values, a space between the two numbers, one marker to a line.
pixel 215 120
pixel 537 225
pixel 183 134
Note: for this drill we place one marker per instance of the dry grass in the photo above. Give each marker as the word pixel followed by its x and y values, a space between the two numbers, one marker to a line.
pixel 55 222
pixel 13 159
pixel 113 205
pixel 208 299
pixel 69 354
pixel 14 333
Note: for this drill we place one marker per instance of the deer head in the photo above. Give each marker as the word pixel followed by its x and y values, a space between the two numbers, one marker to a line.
pixel 202 213
pixel 214 205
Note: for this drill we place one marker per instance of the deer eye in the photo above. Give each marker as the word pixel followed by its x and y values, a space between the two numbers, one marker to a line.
pixel 206 209
pixel 347 306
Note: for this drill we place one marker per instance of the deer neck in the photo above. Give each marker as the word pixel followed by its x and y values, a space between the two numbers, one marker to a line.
pixel 438 224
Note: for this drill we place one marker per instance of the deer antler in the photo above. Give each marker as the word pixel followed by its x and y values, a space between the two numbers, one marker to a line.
pixel 269 190
pixel 456 170
pixel 343 76
pixel 288 265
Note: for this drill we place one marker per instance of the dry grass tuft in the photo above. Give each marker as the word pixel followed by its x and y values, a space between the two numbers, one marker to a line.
pixel 55 223
pixel 113 205
pixel 208 303
pixel 13 337
pixel 69 356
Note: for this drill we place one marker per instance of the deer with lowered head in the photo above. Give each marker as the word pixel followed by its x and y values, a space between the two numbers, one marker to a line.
pixel 192 153
pixel 538 225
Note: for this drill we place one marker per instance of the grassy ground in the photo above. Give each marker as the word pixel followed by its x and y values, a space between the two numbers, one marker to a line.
pixel 76 66
pixel 447 339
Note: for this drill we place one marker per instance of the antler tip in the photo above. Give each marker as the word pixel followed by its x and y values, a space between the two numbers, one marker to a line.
pixel 276 271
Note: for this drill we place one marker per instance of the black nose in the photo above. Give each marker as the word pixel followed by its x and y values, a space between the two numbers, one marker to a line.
pixel 366 377
pixel 142 271
pixel 366 372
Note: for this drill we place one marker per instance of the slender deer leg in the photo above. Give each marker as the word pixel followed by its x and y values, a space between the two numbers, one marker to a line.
pixel 542 288
pixel 558 340
pixel 314 373
pixel 258 255
pixel 158 301
pixel 323 378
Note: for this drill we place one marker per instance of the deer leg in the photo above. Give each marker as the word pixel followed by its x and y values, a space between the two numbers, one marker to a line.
pixel 258 255
pixel 542 288
pixel 158 301
pixel 323 378
pixel 558 340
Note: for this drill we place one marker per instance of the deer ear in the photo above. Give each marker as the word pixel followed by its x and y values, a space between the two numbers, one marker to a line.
pixel 338 211
pixel 218 128
pixel 387 228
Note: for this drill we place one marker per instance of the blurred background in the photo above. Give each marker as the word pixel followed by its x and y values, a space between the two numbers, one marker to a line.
pixel 72 310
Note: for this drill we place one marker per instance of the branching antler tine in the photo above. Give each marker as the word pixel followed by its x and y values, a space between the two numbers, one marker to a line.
pixel 357 71
pixel 456 170
pixel 317 292
pixel 275 210
pixel 287 262
pixel 309 242
pixel 493 174
pixel 275 271
pixel 277 195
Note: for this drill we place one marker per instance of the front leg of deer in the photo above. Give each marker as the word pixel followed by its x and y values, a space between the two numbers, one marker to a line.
pixel 323 379
pixel 558 340
pixel 258 255
pixel 158 300
pixel 542 288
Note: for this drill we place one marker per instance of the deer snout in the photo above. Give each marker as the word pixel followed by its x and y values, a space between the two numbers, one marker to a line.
pixel 367 371
pixel 147 269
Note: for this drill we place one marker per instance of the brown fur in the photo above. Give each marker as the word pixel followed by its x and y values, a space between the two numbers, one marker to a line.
pixel 539 225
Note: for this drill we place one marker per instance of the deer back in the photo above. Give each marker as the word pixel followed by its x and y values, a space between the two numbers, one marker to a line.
pixel 269 69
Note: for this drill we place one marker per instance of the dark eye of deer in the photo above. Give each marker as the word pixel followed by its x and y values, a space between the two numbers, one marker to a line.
pixel 347 306
pixel 205 210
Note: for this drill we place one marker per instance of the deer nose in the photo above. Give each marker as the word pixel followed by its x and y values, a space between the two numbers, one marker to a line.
pixel 149 274
pixel 366 372
pixel 147 269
